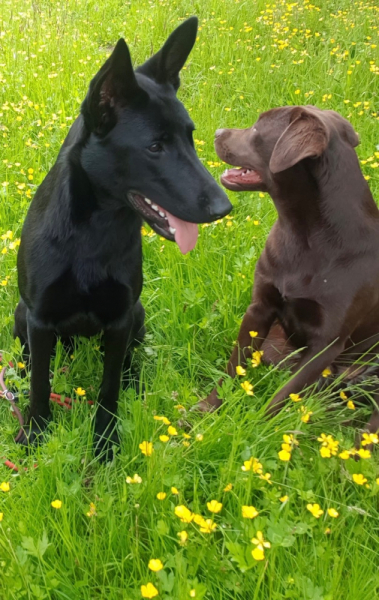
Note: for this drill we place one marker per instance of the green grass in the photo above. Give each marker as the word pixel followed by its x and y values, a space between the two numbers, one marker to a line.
pixel 249 57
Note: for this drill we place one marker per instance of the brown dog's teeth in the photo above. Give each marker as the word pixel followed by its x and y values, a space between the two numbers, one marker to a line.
pixel 147 201
pixel 161 214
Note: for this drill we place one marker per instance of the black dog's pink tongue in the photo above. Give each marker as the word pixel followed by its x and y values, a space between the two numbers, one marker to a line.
pixel 186 234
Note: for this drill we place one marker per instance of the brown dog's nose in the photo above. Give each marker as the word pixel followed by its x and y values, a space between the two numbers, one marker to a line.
pixel 219 132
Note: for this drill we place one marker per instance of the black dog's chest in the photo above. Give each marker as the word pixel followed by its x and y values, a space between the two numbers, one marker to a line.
pixel 71 310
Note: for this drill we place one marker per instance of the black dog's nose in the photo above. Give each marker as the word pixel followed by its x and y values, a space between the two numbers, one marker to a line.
pixel 219 132
pixel 220 207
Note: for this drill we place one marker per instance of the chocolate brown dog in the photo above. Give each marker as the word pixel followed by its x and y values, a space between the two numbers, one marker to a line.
pixel 316 284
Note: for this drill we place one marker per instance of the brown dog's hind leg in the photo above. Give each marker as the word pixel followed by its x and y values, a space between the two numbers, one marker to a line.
pixel 277 348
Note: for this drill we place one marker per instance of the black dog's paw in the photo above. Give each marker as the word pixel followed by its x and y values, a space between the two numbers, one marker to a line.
pixel 104 446
pixel 106 436
pixel 31 432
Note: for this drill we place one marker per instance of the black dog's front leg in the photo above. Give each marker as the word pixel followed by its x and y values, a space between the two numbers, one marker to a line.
pixel 40 343
pixel 115 344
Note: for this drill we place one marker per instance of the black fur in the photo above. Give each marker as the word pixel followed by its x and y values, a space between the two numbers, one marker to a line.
pixel 80 258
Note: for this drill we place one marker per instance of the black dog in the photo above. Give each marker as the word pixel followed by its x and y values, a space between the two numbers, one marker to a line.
pixel 129 156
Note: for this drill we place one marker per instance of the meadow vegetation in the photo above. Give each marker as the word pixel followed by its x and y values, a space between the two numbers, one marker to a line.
pixel 223 506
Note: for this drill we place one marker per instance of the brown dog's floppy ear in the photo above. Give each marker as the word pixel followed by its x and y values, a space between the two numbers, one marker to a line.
pixel 351 135
pixel 306 136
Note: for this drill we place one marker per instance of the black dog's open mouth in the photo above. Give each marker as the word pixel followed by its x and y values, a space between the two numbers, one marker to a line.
pixel 241 179
pixel 164 223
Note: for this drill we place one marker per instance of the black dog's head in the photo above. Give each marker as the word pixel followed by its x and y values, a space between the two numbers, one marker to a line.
pixel 140 149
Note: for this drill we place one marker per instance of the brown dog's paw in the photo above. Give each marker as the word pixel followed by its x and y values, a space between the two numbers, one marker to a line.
pixel 209 404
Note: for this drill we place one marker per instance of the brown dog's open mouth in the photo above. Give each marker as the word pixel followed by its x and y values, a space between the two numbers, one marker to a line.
pixel 241 179
pixel 164 223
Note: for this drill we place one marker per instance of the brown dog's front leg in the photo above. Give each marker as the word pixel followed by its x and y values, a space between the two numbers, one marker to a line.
pixel 309 369
pixel 258 317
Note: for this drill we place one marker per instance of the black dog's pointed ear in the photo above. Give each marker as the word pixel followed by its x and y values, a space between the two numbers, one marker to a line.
pixel 115 85
pixel 165 65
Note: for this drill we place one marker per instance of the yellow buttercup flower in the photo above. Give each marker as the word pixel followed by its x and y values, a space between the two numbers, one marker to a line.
pixel 344 455
pixel 333 513
pixel 161 495
pixel 252 464
pixel 56 504
pixel 208 526
pixel 228 487
pixel 253 334
pixel 290 439
pixel 260 541
pixel 172 431
pixel 163 419
pixel 284 498
pixel 174 491
pixel 183 537
pixel 295 397
pixel 329 446
pixel 155 564
pixel 146 448
pixel 135 479
pixel 315 510
pixel 284 455
pixel 4 486
pixel 266 477
pixel 256 358
pixel 306 414
pixel 1 516
pixel 214 506
pixel 164 438
pixel 149 591
pixel 350 404
pixel 325 452
pixel 198 519
pixel 184 514
pixel 326 372
pixel 359 479
pixel 21 365
pixel 248 388
pixel 92 510
pixel 80 391
pixel 199 437
pixel 258 553
pixel 369 438
pixel 240 370
pixel 364 453
pixel 249 512
pixel 343 396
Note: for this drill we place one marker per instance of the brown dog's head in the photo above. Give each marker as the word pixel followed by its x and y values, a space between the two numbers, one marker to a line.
pixel 280 139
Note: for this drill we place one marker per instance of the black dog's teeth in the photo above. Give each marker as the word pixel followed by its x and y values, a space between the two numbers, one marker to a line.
pixel 162 214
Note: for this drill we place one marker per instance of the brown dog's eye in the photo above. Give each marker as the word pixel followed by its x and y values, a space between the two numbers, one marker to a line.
pixel 157 147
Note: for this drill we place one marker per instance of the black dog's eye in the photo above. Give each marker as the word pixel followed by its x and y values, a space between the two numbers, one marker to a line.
pixel 156 147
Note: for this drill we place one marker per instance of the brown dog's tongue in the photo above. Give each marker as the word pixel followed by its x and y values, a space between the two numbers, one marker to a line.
pixel 186 233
